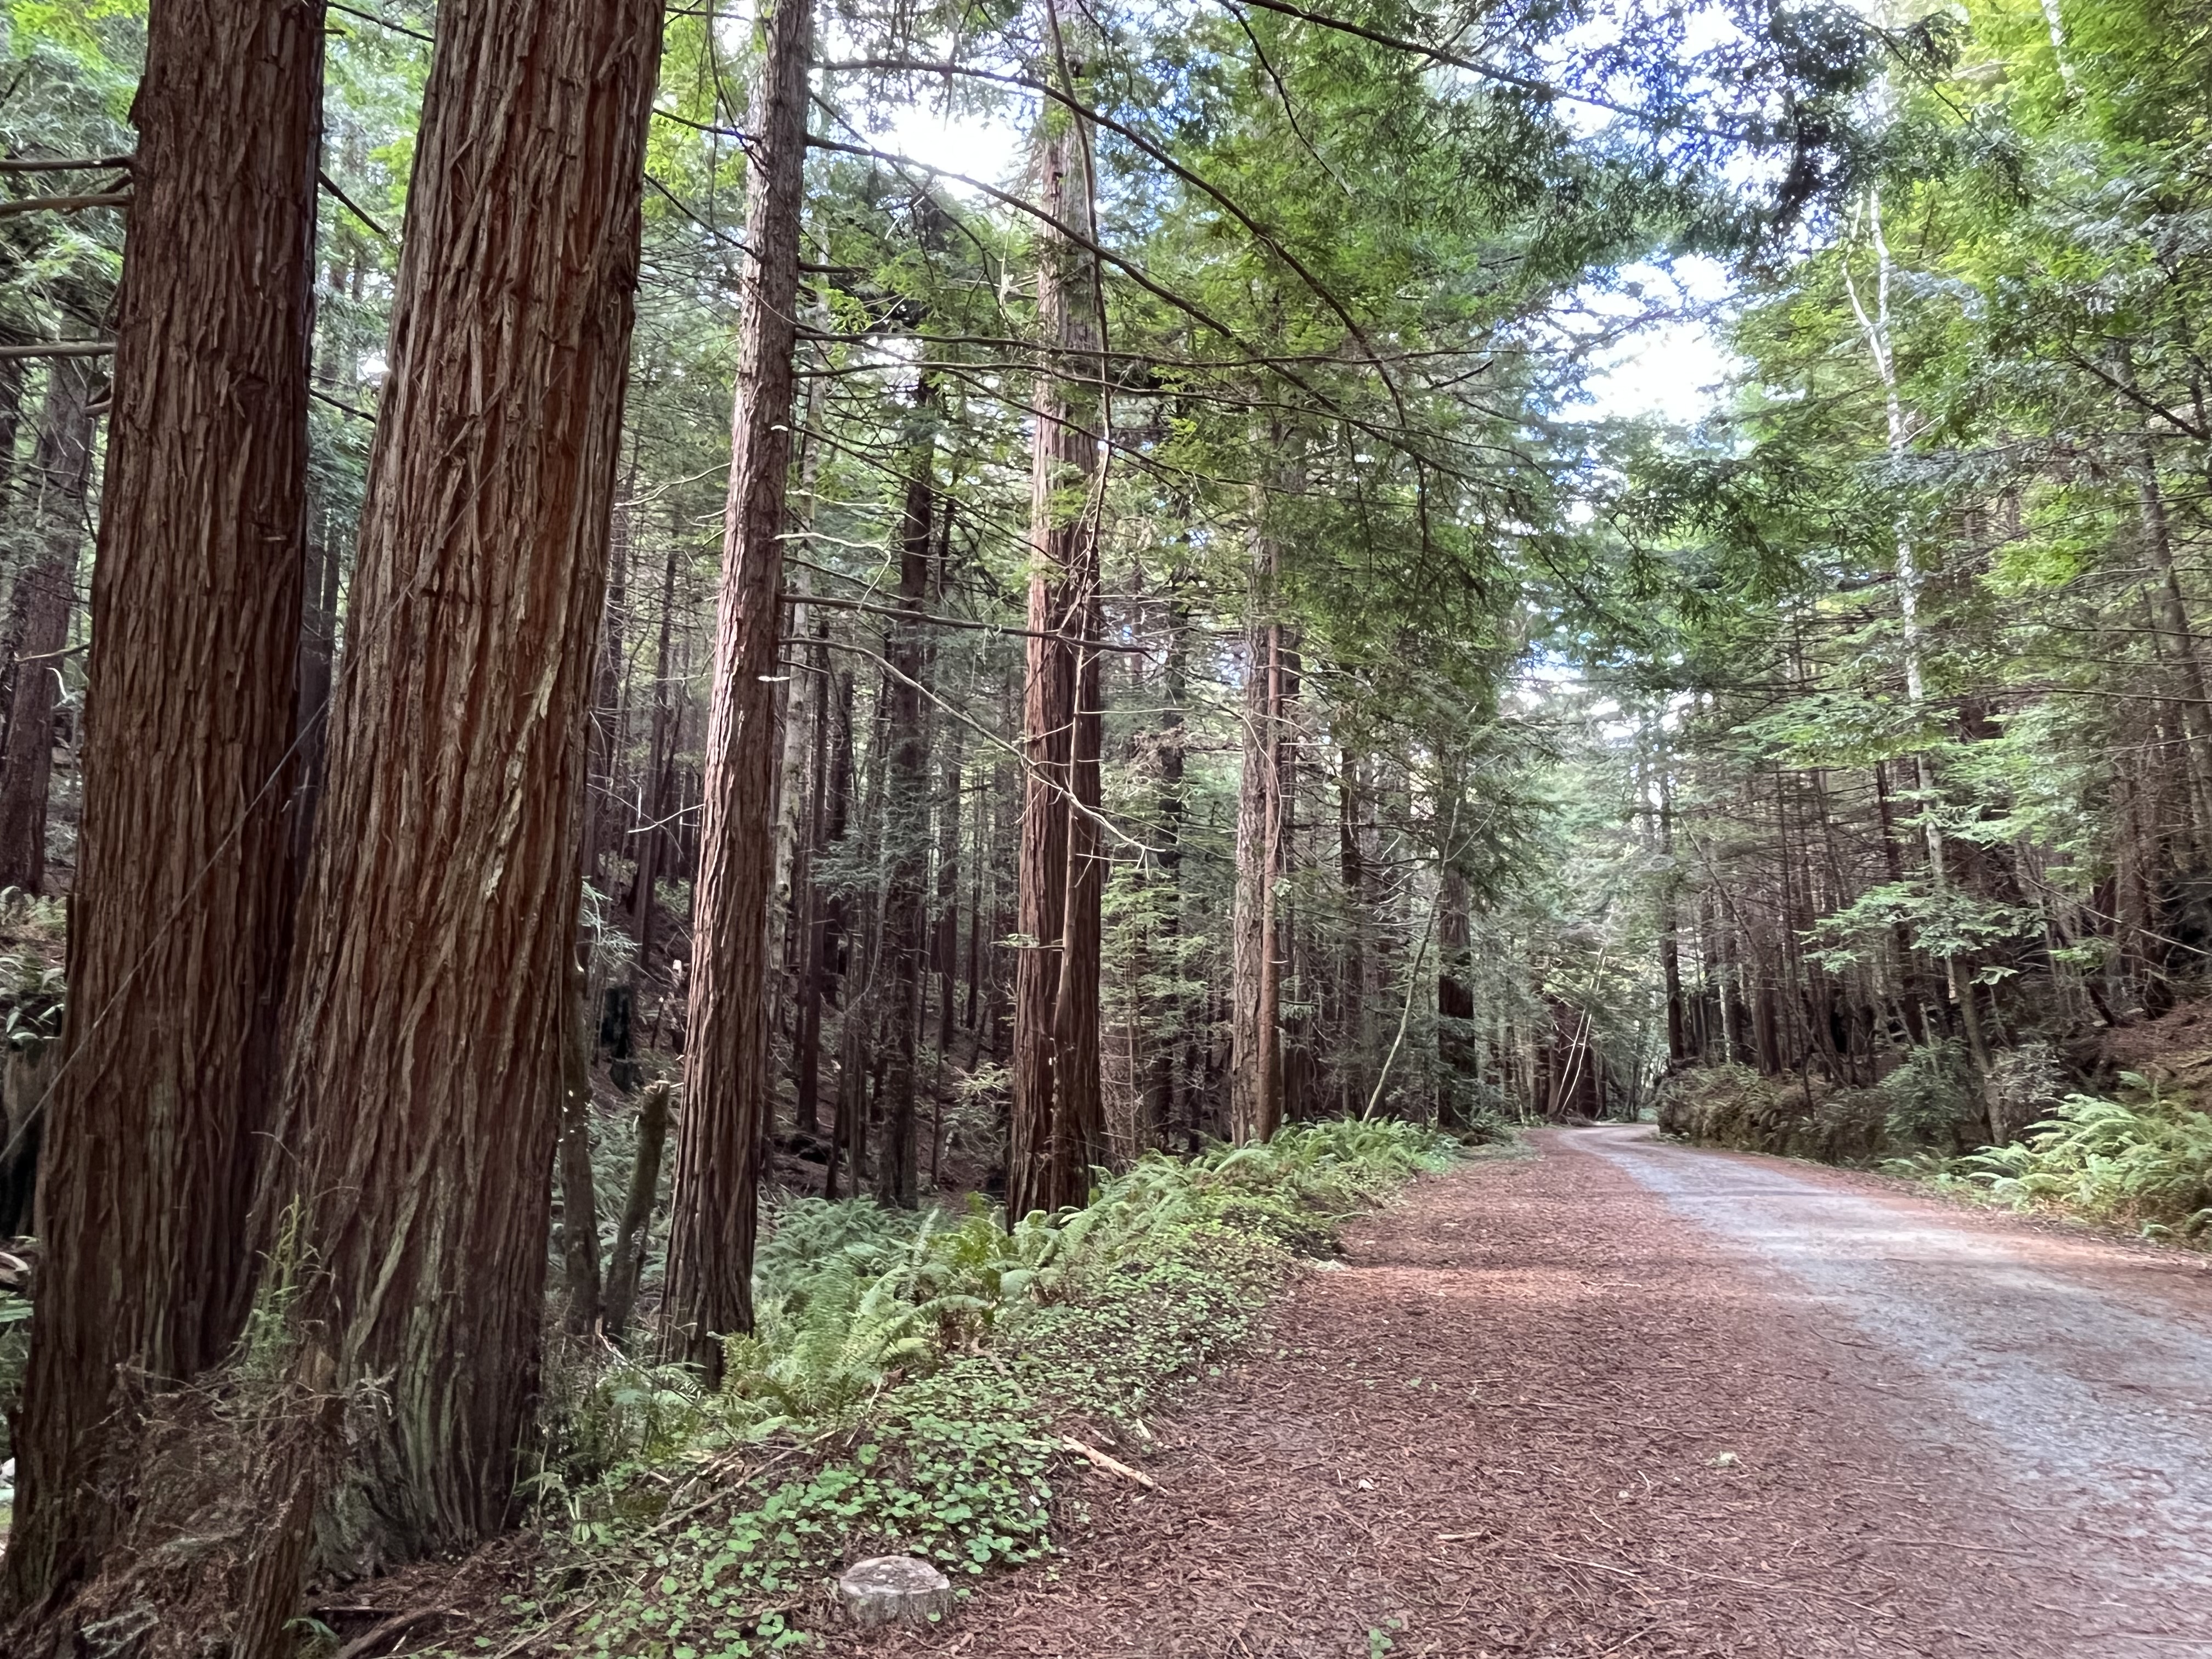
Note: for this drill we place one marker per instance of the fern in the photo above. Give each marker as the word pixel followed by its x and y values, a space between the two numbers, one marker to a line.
pixel 2147 1165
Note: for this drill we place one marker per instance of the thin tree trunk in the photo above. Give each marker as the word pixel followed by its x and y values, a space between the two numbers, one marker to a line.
pixel 45 598
pixel 11 419
pixel 1455 997
pixel 906 824
pixel 2171 622
pixel 424 1055
pixel 1078 1130
pixel 832 772
pixel 788 861
pixel 1169 1015
pixel 602 780
pixel 319 647
pixel 1255 1079
pixel 1875 327
pixel 580 1200
pixel 633 1233
pixel 726 1097
pixel 813 915
pixel 177 944
pixel 945 930
pixel 651 832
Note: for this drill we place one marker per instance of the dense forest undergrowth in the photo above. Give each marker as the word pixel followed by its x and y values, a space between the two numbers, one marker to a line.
pixel 747 751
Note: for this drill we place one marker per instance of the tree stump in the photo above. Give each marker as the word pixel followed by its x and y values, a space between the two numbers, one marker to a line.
pixel 894 1589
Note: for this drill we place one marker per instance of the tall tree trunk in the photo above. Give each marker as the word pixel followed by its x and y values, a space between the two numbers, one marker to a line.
pixel 580 1199
pixel 603 764
pixel 177 945
pixel 2171 627
pixel 1079 1127
pixel 713 1224
pixel 1455 999
pixel 424 1050
pixel 1169 1016
pixel 1056 1120
pixel 1352 967
pixel 944 926
pixel 906 822
pixel 789 861
pixel 631 1232
pixel 1875 328
pixel 1670 924
pixel 319 647
pixel 658 803
pixel 814 961
pixel 45 598
pixel 1255 1078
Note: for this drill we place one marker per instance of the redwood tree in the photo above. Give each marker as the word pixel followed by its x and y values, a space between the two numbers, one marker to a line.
pixel 178 938
pixel 718 1149
pixel 424 1043
pixel 1057 1120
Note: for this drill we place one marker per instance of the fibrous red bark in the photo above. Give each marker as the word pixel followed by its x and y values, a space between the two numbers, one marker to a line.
pixel 423 1063
pixel 1057 1121
pixel 178 937
pixel 717 1148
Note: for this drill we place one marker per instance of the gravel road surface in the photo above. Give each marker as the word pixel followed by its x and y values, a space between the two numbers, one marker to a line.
pixel 1615 1397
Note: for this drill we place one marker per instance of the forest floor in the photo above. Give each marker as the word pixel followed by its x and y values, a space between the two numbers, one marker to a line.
pixel 1620 1397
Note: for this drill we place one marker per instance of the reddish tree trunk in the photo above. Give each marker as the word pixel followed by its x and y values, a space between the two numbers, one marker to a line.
pixel 423 1065
pixel 711 1229
pixel 1055 1120
pixel 178 940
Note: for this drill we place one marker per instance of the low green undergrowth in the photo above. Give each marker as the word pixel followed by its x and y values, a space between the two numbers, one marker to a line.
pixel 2144 1164
pixel 906 1387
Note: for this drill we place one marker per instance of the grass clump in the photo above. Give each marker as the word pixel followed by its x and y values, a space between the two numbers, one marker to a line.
pixel 905 1386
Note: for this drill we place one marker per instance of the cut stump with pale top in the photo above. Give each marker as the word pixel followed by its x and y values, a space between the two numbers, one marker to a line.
pixel 894 1589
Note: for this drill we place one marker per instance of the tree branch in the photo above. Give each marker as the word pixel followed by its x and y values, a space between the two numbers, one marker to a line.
pixel 354 207
pixel 58 349
pixel 65 204
pixel 65 164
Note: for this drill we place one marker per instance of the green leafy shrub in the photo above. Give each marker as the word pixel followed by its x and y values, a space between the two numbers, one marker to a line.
pixel 1933 1100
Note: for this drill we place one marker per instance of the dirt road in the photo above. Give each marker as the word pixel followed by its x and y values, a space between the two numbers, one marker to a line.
pixel 1619 1397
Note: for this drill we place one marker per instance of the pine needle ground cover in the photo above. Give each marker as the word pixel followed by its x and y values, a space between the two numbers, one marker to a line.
pixel 907 1390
